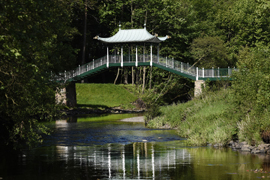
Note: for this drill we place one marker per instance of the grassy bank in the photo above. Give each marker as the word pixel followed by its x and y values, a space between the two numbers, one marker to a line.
pixel 104 96
pixel 213 118
pixel 203 120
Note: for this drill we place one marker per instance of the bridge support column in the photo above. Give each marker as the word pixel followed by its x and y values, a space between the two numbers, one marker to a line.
pixel 199 84
pixel 67 95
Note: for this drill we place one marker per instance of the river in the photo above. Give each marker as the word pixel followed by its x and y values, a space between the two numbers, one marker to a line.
pixel 103 147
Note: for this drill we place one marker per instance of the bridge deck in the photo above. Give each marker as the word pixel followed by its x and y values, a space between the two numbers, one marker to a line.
pixel 168 64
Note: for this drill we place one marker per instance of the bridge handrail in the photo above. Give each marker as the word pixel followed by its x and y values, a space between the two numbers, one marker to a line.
pixel 169 63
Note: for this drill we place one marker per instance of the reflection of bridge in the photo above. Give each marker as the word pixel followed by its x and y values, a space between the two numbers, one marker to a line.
pixel 168 64
pixel 145 160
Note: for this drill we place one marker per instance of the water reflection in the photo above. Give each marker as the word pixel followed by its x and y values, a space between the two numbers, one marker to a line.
pixel 143 160
pixel 86 148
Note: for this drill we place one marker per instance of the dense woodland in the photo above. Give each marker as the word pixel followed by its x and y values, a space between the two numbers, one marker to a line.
pixel 40 38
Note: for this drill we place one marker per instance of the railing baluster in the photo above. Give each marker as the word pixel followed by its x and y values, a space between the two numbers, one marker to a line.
pixel 203 72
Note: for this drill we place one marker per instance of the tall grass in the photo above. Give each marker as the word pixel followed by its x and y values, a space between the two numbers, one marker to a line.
pixel 207 119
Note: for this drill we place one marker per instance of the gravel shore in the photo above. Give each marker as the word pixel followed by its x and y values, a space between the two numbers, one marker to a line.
pixel 134 119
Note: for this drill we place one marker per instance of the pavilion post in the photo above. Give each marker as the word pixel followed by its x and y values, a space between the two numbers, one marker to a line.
pixel 122 58
pixel 108 57
pixel 151 55
pixel 158 52
pixel 136 56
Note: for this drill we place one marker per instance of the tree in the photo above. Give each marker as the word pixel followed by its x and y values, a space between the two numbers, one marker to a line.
pixel 244 23
pixel 251 82
pixel 251 94
pixel 209 52
pixel 35 40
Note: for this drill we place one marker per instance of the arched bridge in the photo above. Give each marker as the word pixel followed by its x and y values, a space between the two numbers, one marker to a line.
pixel 168 64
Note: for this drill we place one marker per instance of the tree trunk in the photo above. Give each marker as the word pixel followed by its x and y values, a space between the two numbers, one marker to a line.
pixel 143 84
pixel 84 32
pixel 132 72
pixel 116 76
pixel 137 76
pixel 144 70
pixel 131 49
pixel 84 37
pixel 125 75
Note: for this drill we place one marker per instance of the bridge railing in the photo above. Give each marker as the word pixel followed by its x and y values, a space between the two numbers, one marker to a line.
pixel 170 63
pixel 215 72
pixel 176 65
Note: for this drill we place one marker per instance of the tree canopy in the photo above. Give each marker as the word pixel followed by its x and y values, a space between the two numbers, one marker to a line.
pixel 35 40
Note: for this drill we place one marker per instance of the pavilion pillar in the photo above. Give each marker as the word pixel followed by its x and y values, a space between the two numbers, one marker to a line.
pixel 122 58
pixel 108 57
pixel 151 55
pixel 158 53
pixel 136 56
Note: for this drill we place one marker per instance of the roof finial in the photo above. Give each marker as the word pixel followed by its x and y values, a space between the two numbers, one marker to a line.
pixel 119 25
pixel 144 25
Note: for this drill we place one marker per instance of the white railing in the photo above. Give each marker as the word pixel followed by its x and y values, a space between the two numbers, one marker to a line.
pixel 169 63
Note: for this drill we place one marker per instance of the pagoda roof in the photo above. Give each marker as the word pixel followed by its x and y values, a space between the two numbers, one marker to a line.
pixel 132 36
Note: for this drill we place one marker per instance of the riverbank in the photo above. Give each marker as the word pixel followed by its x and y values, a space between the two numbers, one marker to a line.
pixel 245 147
pixel 215 119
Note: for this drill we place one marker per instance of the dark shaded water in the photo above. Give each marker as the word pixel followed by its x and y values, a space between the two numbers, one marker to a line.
pixel 105 148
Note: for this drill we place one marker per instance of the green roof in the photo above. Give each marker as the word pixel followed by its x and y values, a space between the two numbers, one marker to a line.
pixel 132 36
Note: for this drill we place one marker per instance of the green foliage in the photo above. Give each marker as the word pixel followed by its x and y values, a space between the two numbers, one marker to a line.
pixel 35 38
pixel 209 52
pixel 252 97
pixel 244 23
pixel 251 83
pixel 153 110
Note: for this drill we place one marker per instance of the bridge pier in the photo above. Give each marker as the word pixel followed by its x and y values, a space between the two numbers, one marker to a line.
pixel 67 95
pixel 198 87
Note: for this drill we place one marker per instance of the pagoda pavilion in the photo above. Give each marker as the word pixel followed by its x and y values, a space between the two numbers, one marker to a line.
pixel 133 37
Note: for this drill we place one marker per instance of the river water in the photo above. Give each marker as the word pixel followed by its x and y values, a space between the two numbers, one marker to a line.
pixel 105 148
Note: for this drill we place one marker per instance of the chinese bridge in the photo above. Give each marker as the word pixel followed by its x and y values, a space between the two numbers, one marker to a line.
pixel 141 37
